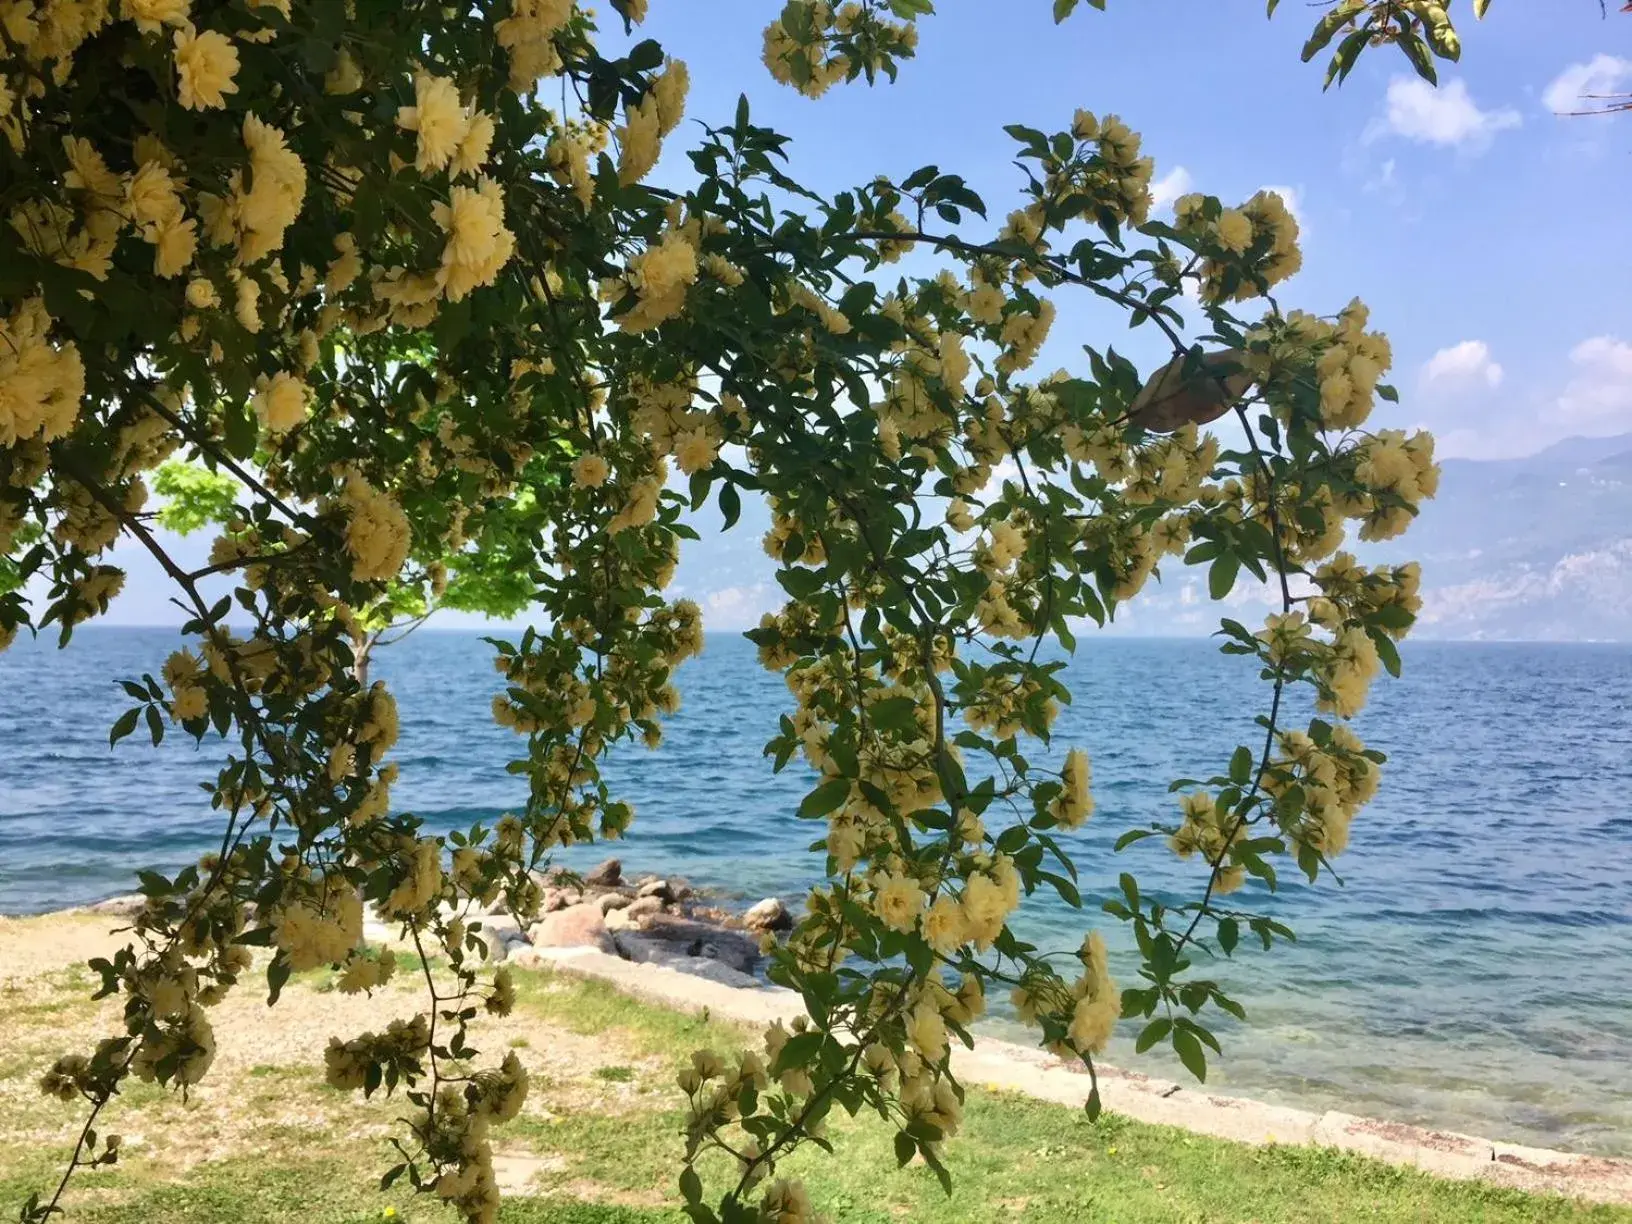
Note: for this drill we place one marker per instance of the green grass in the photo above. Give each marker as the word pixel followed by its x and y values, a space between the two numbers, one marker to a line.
pixel 605 1141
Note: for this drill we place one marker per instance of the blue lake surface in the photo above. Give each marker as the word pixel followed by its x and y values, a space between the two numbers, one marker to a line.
pixel 1473 972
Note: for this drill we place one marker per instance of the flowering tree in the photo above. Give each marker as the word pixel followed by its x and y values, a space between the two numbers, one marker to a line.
pixel 350 256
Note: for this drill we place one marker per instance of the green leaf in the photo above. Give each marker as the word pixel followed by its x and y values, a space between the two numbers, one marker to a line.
pixel 691 1186
pixel 1188 1047
pixel 124 726
pixel 1152 1033
pixel 1221 577
pixel 905 1148
pixel 1417 52
pixel 1229 934
pixel 1325 31
pixel 1241 765
pixel 825 798
pixel 1134 835
pixel 1480 7
pixel 1063 9
pixel 1386 651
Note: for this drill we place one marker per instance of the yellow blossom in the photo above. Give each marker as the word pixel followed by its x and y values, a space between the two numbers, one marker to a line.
pixel 205 67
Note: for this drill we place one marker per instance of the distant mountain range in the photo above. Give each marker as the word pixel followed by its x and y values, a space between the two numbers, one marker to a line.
pixel 1533 549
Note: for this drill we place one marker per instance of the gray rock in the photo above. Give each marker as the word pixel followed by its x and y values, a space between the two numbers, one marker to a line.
pixel 525 956
pixel 713 971
pixel 577 926
pixel 553 899
pixel 769 915
pixel 607 902
pixel 606 875
pixel 125 906
pixel 499 933
pixel 645 951
pixel 684 937
pixel 642 908
pixel 680 889
pixel 655 888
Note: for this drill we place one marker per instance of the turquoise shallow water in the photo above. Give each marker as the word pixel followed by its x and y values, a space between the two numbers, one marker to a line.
pixel 1475 971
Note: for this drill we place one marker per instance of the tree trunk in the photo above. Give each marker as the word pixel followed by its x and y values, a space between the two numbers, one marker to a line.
pixel 361 658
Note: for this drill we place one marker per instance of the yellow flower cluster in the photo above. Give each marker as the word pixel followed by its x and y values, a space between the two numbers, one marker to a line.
pixel 421 880
pixel 206 68
pixel 805 65
pixel 454 1133
pixel 186 1042
pixel 1098 1004
pixel 1336 779
pixel 377 532
pixel 155 206
pixel 1400 468
pixel 659 277
pixel 346 1063
pixel 1210 832
pixel 1023 335
pixel 450 136
pixel 41 382
pixel 1348 590
pixel 1259 240
pixel 363 973
pixel 256 218
pixel 320 927
pixel 184 673
pixel 1116 179
pixel 478 243
pixel 1075 803
pixel 640 139
pixel 281 402
pixel 528 38
pixel 1348 361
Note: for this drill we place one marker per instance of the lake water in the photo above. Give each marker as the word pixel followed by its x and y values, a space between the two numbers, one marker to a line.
pixel 1474 972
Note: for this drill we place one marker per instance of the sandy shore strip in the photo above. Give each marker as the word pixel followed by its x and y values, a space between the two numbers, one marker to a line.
pixel 33 946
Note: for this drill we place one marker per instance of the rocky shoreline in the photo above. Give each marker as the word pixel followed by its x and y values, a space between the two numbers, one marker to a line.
pixel 651 919
pixel 654 920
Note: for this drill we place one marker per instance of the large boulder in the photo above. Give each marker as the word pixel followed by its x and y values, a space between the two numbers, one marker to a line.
pixel 668 935
pixel 769 915
pixel 500 933
pixel 552 899
pixel 607 875
pixel 577 926
pixel 633 916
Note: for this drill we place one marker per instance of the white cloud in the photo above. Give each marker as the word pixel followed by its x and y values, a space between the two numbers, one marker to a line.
pixel 1598 399
pixel 738 607
pixel 1468 364
pixel 1445 116
pixel 1575 88
pixel 1170 187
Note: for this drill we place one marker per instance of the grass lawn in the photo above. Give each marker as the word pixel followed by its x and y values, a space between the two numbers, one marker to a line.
pixel 266 1142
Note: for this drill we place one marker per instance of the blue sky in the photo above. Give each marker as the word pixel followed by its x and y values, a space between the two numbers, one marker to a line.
pixel 1487 233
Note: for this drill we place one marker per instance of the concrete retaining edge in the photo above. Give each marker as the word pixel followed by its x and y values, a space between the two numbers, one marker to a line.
pixel 1014 1068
